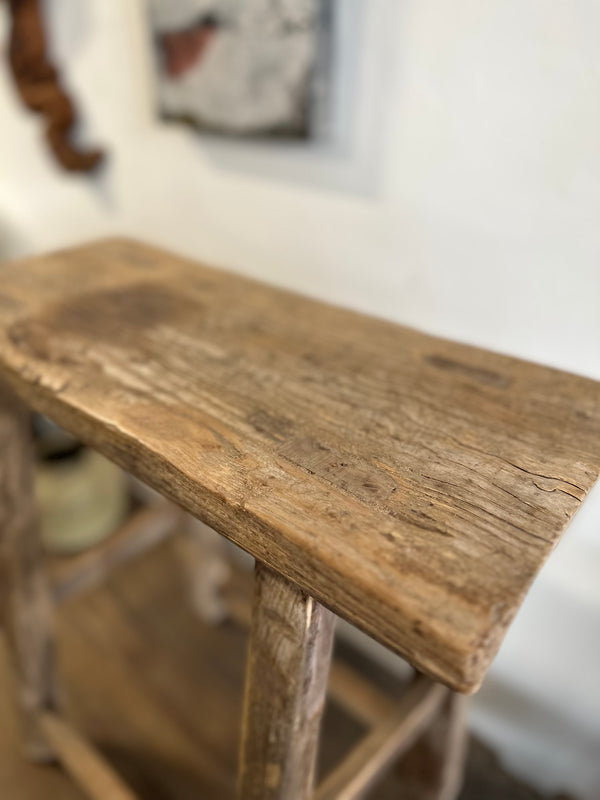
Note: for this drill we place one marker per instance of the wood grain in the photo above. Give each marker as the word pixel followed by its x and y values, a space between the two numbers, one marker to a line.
pixel 411 484
pixel 286 681
pixel 360 698
pixel 25 604
pixel 160 694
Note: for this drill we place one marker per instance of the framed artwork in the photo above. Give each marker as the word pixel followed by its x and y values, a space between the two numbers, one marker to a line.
pixel 243 68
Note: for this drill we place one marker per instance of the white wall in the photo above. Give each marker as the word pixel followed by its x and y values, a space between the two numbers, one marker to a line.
pixel 465 203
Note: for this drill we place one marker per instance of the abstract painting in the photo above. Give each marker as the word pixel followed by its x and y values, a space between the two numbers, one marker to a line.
pixel 243 68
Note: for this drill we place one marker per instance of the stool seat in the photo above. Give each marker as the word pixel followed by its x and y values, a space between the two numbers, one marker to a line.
pixel 412 485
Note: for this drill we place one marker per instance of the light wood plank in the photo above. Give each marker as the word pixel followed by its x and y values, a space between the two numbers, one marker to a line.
pixel 411 484
pixel 286 680
pixel 393 736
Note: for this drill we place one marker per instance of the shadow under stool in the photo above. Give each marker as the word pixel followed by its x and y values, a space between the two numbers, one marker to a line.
pixel 410 485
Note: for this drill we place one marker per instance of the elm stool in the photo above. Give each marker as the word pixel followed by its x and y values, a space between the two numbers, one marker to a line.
pixel 411 485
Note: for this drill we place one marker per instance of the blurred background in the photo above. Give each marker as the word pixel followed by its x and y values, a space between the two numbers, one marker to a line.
pixel 447 177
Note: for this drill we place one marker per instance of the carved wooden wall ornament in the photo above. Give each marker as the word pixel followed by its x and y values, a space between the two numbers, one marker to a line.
pixel 39 86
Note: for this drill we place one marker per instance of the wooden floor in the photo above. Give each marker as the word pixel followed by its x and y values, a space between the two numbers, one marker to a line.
pixel 160 694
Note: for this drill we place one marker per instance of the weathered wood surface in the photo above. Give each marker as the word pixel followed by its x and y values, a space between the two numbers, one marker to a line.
pixel 360 698
pixel 25 603
pixel 151 722
pixel 413 485
pixel 286 681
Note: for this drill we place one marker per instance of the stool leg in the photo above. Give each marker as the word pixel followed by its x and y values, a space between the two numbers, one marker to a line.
pixel 286 681
pixel 449 741
pixel 25 602
pixel 436 771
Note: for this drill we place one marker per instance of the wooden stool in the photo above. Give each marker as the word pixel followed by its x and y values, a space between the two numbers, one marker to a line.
pixel 410 485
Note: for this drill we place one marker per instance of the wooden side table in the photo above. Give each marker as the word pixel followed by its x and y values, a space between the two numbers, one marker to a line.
pixel 410 485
